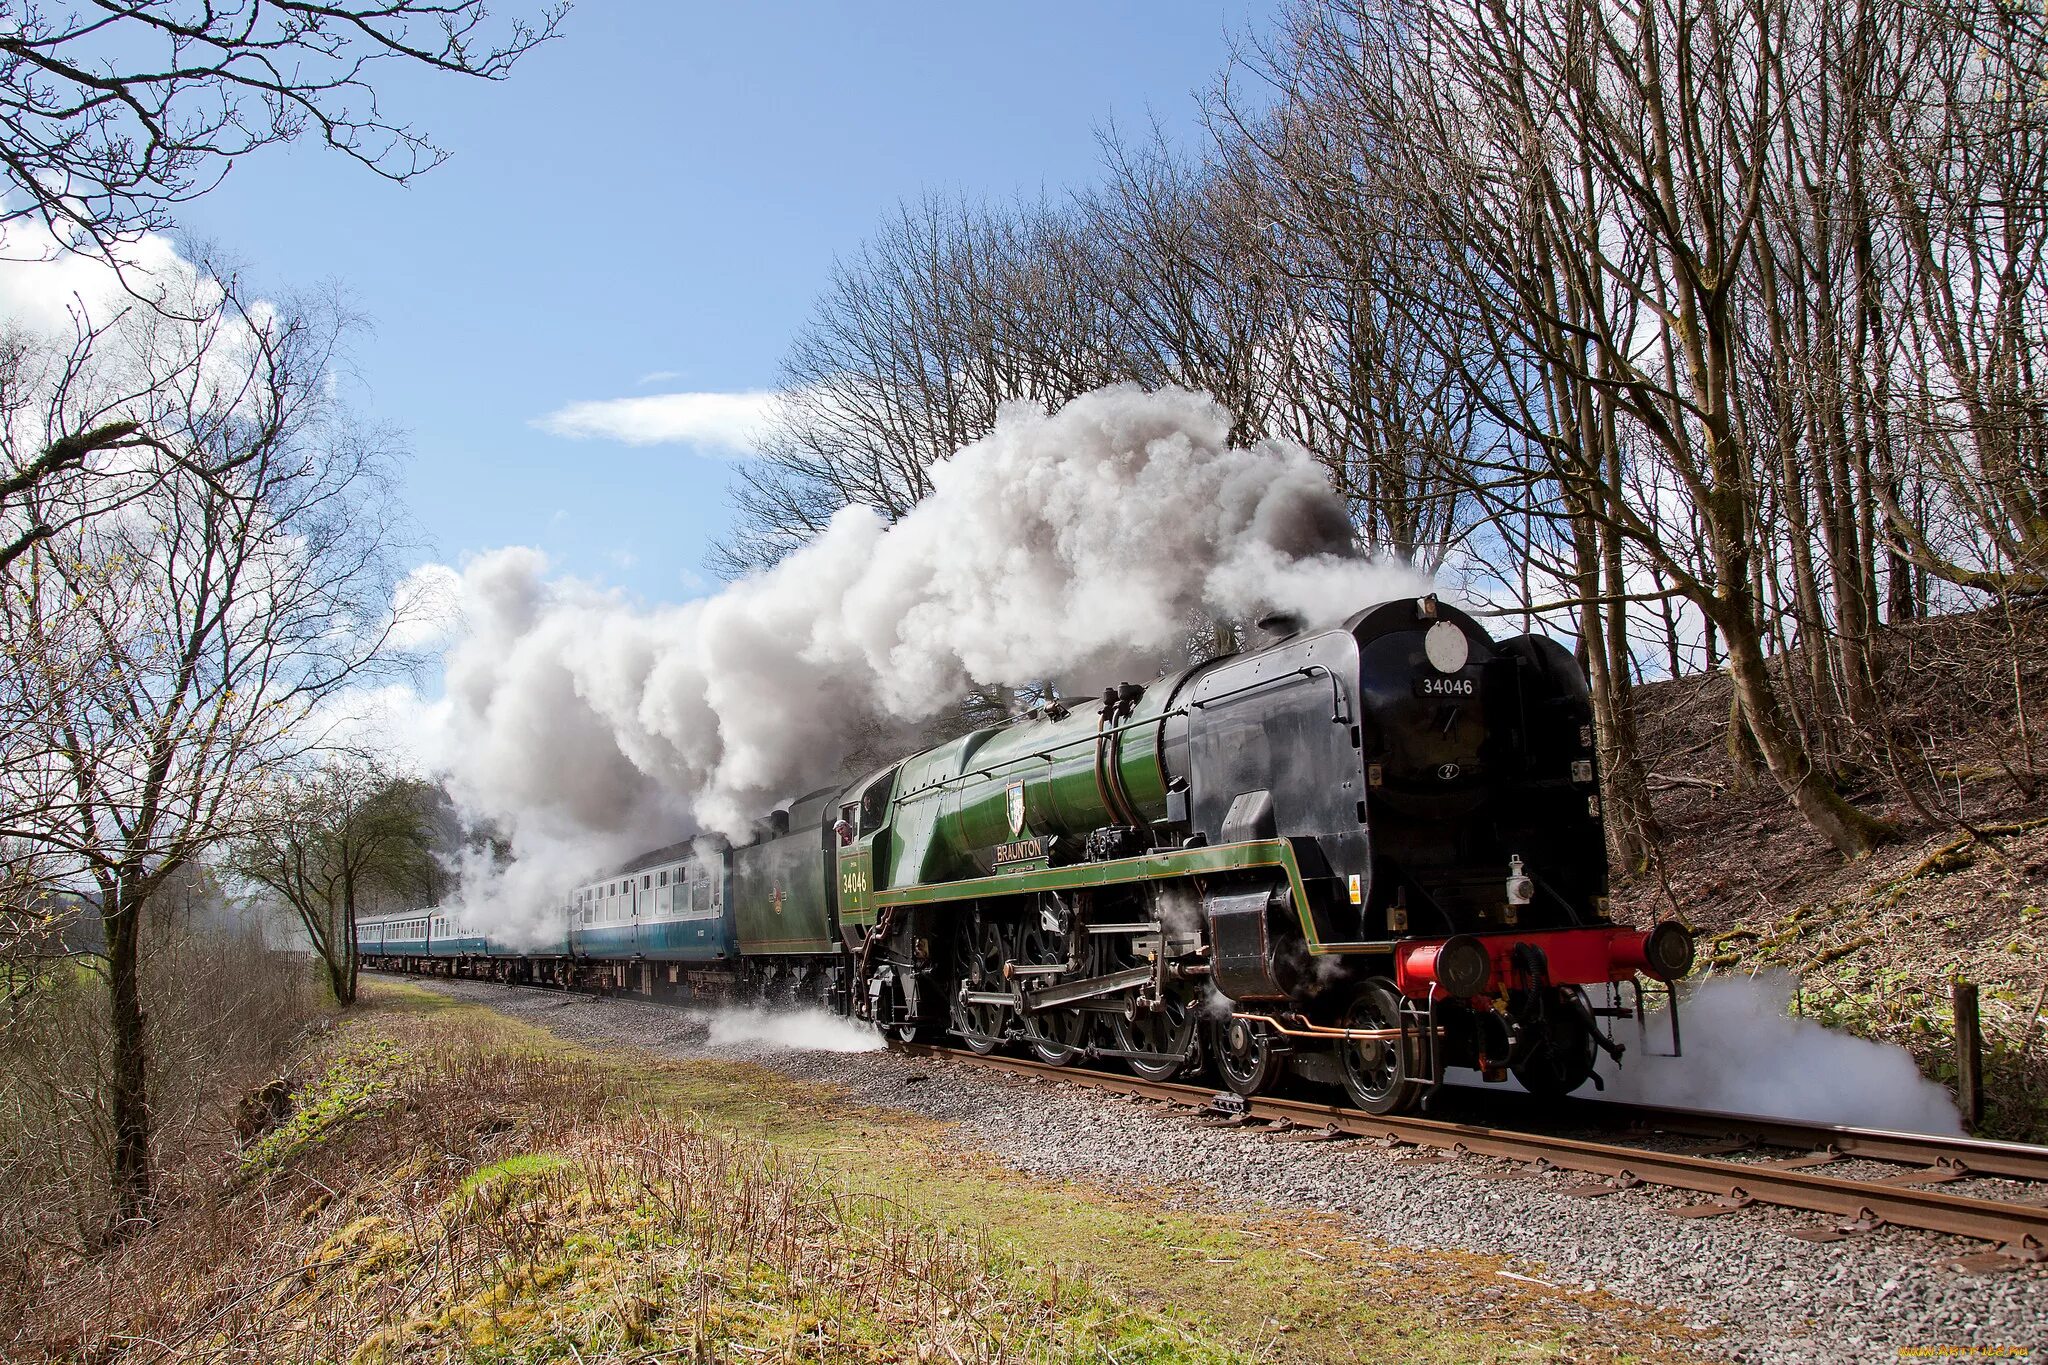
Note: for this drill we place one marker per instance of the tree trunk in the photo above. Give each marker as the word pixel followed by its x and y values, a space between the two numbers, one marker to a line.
pixel 345 988
pixel 1743 756
pixel 1853 833
pixel 1631 822
pixel 128 1077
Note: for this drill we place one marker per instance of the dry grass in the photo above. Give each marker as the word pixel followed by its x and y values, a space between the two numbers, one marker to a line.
pixel 451 1186
pixel 222 1010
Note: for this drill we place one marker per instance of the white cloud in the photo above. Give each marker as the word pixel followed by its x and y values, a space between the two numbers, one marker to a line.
pixel 426 607
pixel 391 721
pixel 658 377
pixel 729 422
pixel 42 286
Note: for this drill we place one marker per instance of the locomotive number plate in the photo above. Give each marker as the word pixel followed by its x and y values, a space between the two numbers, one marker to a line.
pixel 1447 687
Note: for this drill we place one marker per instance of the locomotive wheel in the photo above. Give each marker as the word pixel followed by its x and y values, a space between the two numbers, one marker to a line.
pixel 1247 1055
pixel 1559 1062
pixel 903 1029
pixel 1057 1037
pixel 978 962
pixel 924 1034
pixel 1377 1074
pixel 1172 1030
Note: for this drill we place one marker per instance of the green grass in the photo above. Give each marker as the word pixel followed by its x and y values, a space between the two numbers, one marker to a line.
pixel 357 1084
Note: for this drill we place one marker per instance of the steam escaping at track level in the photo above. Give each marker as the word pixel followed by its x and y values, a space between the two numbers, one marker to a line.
pixel 799 1030
pixel 1745 1053
pixel 1072 546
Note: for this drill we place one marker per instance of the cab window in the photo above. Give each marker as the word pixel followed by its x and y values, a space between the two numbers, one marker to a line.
pixel 874 802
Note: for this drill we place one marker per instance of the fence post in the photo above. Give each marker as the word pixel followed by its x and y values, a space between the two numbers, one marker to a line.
pixel 1969 1053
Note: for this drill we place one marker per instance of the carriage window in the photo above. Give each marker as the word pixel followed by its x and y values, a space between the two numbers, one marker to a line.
pixel 646 882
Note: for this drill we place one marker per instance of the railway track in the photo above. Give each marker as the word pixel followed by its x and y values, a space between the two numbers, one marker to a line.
pixel 1737 1162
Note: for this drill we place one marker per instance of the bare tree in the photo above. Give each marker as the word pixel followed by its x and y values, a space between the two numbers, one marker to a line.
pixel 1958 162
pixel 1706 331
pixel 327 838
pixel 79 415
pixel 947 313
pixel 1601 172
pixel 116 112
pixel 166 654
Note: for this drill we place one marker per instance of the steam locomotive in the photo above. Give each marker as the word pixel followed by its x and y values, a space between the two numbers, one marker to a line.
pixel 1362 855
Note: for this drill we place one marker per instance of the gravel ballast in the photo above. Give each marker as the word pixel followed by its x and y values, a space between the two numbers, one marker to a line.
pixel 1768 1297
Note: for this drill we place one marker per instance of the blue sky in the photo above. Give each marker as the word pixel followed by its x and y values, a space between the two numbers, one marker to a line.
pixel 662 193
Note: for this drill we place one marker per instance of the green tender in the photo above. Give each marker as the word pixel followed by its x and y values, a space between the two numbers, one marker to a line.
pixel 779 892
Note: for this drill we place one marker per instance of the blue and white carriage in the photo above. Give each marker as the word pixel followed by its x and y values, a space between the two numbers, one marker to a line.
pixel 673 910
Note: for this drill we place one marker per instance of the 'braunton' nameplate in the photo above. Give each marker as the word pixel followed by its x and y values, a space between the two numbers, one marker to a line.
pixel 1021 850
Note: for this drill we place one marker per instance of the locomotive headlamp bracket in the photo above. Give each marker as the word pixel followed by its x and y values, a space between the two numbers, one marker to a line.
pixel 1521 888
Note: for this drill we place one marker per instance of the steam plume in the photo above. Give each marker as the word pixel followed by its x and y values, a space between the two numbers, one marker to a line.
pixel 1745 1053
pixel 1075 544
pixel 802 1030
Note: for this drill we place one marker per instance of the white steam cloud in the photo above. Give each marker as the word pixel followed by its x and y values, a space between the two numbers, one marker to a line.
pixel 1078 544
pixel 1745 1053
pixel 802 1030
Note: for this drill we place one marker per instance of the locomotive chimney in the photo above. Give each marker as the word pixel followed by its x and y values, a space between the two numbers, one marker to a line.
pixel 1278 625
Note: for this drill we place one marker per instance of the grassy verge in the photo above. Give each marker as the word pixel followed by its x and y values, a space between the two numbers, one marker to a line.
pixel 452 1185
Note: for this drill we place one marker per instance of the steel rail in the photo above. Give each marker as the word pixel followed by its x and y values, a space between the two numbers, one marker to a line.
pixel 2022 1227
pixel 1976 1156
